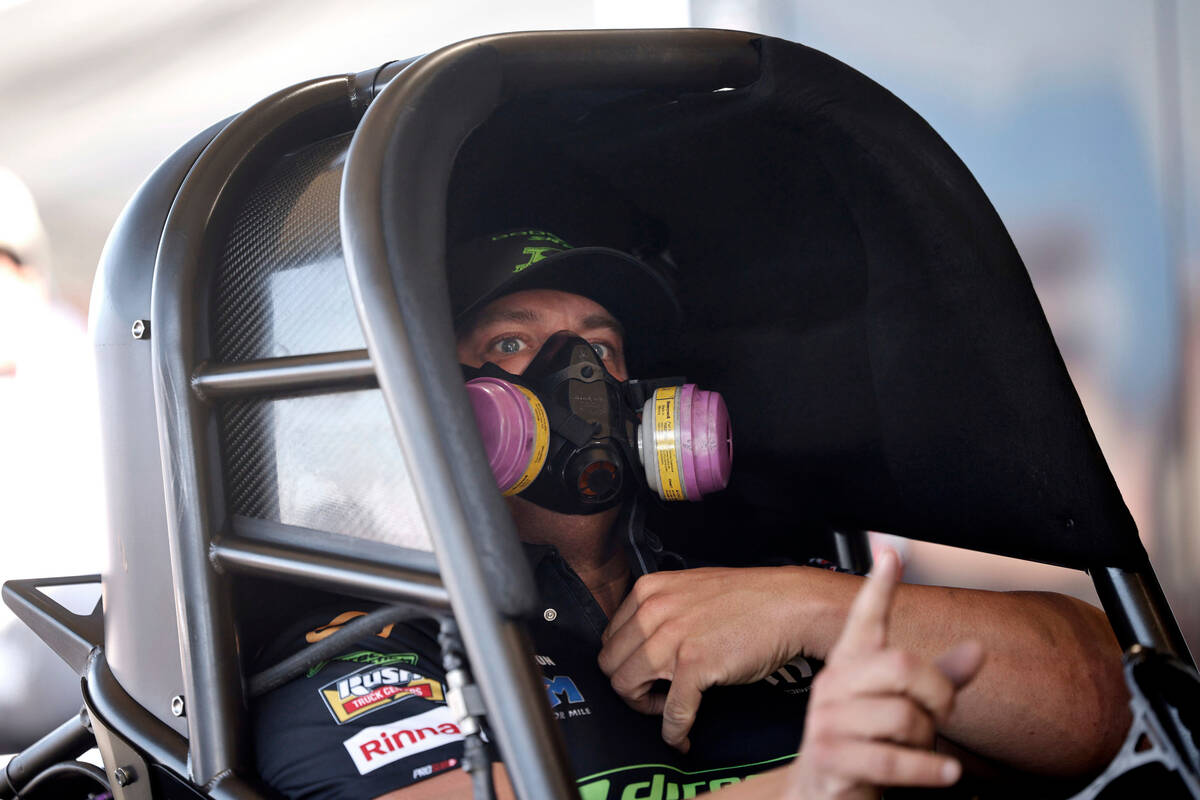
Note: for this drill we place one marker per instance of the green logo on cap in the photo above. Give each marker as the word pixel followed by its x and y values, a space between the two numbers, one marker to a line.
pixel 535 254
pixel 536 251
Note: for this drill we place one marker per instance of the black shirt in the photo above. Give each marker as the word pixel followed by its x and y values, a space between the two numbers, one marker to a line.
pixel 374 719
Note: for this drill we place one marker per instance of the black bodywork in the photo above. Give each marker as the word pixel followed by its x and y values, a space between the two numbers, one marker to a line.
pixel 275 296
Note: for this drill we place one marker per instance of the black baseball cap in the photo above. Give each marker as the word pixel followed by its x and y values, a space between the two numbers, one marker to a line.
pixel 484 269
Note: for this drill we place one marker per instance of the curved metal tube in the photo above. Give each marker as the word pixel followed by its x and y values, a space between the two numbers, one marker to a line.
pixel 68 741
pixel 323 371
pixel 394 194
pixel 1139 612
pixel 330 572
pixel 195 508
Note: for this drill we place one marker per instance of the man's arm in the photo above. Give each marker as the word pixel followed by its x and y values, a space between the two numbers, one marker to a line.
pixel 845 755
pixel 456 784
pixel 1050 699
pixel 865 729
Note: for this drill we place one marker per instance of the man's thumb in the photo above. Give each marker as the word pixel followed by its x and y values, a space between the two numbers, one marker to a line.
pixel 961 663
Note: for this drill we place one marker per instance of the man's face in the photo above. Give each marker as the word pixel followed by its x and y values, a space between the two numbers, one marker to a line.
pixel 509 331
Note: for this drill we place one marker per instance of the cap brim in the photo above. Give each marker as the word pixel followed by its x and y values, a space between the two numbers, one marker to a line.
pixel 640 298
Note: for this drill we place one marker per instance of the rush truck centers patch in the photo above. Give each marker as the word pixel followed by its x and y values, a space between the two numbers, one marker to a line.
pixel 372 688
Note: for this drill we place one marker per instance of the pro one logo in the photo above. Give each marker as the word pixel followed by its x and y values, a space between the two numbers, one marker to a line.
pixel 378 746
pixel 371 688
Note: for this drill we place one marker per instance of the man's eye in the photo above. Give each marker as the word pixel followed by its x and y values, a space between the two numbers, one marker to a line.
pixel 601 349
pixel 508 345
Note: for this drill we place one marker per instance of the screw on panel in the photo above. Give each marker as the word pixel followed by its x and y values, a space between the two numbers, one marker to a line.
pixel 177 705
pixel 124 776
pixel 141 329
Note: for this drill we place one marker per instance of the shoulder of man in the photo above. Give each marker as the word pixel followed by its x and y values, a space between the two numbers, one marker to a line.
pixel 368 721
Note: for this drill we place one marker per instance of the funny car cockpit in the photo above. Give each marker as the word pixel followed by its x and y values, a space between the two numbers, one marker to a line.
pixel 285 421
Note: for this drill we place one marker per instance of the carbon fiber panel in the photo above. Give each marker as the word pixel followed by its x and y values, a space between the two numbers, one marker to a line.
pixel 327 462
pixel 282 287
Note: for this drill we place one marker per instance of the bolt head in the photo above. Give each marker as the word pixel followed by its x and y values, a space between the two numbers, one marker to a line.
pixel 123 776
pixel 141 329
pixel 177 707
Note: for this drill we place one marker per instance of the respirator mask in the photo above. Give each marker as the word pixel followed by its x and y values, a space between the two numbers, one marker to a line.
pixel 570 437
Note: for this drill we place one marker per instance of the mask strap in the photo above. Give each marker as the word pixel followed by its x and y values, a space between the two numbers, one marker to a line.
pixel 639 390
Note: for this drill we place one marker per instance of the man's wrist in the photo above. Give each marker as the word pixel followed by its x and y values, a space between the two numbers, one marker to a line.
pixel 814 608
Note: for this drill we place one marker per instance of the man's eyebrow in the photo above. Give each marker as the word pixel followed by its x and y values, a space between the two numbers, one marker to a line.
pixel 505 315
pixel 589 323
pixel 594 321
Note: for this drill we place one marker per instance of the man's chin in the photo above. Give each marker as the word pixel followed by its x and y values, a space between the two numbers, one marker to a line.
pixel 537 525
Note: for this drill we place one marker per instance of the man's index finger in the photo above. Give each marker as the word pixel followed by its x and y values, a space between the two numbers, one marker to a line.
pixel 866 623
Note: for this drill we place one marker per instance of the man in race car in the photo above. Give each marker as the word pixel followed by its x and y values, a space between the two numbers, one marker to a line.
pixel 1031 681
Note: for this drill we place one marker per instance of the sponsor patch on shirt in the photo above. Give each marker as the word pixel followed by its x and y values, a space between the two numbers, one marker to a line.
pixel 794 677
pixel 664 782
pixel 434 768
pixel 380 745
pixel 334 625
pixel 372 688
pixel 566 701
pixel 366 657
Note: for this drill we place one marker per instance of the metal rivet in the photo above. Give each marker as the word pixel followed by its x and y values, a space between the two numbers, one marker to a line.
pixel 123 776
pixel 550 615
pixel 177 705
pixel 1135 649
pixel 141 329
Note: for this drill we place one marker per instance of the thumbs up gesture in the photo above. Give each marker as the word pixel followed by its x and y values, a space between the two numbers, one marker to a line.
pixel 875 710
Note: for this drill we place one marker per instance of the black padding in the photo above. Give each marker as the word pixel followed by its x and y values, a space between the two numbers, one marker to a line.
pixel 848 287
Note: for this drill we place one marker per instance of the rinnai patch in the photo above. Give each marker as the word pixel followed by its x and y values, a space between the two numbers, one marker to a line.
pixel 378 746
pixel 372 688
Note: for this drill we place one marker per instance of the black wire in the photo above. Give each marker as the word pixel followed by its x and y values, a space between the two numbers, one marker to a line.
pixel 635 529
pixel 66 768
pixel 327 648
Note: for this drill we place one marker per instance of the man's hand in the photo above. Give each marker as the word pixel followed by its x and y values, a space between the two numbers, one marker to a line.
pixel 1050 700
pixel 697 629
pixel 874 710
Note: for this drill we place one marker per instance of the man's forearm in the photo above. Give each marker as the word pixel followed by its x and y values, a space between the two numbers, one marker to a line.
pixel 1051 696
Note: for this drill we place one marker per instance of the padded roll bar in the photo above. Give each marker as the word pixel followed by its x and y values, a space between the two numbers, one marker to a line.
pixel 393 217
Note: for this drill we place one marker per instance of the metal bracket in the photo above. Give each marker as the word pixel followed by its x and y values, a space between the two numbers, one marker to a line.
pixel 464 700
pixel 71 636
pixel 1165 701
pixel 128 772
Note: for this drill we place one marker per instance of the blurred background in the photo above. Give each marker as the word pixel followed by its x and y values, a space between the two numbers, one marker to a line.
pixel 1081 120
